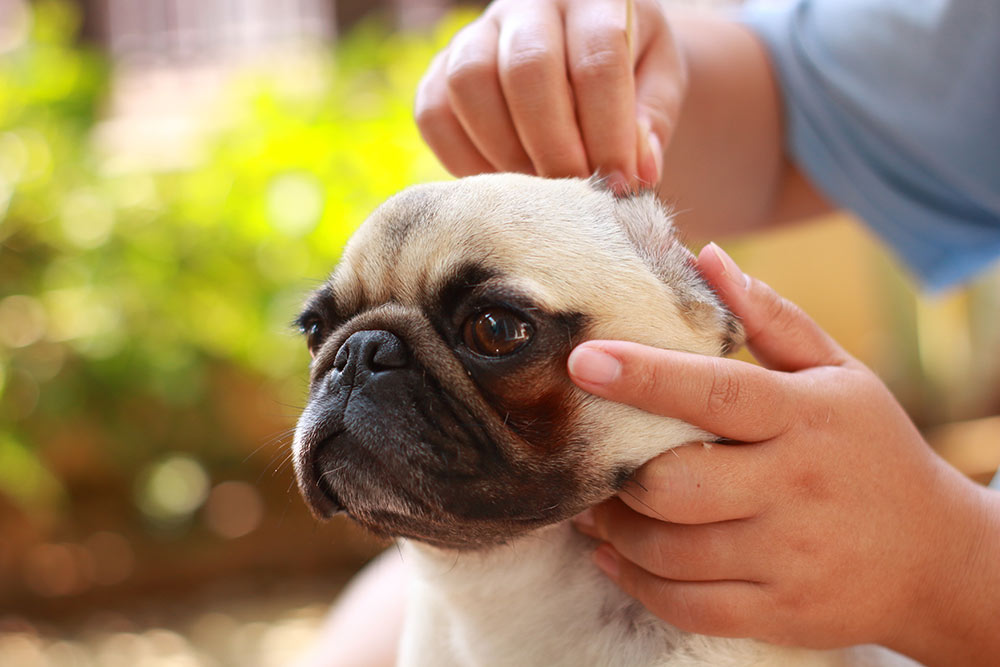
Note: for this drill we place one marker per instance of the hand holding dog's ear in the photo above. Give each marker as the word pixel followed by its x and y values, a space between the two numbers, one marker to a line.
pixel 831 523
pixel 552 88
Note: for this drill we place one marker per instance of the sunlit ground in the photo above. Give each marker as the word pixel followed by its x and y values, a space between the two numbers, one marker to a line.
pixel 261 629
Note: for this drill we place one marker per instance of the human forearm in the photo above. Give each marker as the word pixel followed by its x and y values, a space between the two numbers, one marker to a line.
pixel 724 168
pixel 953 618
pixel 364 627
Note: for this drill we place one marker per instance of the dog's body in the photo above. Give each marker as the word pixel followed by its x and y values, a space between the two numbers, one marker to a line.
pixel 440 411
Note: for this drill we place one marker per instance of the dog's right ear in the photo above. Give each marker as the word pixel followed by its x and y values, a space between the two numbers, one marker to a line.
pixel 650 230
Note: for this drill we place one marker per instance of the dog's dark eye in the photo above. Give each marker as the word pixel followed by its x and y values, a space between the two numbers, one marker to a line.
pixel 496 332
pixel 314 332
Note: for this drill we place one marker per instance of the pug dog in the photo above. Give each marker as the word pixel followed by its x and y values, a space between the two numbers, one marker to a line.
pixel 440 412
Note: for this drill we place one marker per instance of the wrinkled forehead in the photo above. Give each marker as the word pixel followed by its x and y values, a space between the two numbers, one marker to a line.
pixel 428 238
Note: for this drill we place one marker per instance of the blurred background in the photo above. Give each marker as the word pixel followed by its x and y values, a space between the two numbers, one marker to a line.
pixel 175 176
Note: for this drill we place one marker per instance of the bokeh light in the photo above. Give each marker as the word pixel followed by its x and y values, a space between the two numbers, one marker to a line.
pixel 22 321
pixel 113 557
pixel 173 488
pixel 295 203
pixel 233 509
pixel 23 477
pixel 54 570
pixel 87 218
pixel 15 23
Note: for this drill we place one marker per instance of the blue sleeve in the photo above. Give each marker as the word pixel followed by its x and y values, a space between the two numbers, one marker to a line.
pixel 892 109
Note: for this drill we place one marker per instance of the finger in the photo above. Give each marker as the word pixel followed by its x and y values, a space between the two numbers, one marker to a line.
pixel 660 85
pixel 600 70
pixel 779 333
pixel 698 484
pixel 706 552
pixel 473 87
pixel 717 608
pixel 439 126
pixel 534 83
pixel 730 398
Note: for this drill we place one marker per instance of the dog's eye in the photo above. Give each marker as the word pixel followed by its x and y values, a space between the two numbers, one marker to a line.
pixel 496 332
pixel 313 330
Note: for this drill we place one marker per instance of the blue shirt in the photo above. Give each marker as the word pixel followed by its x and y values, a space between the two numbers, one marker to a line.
pixel 892 110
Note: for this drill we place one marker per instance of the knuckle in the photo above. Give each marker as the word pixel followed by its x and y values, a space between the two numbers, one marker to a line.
pixel 648 382
pixel 724 391
pixel 467 75
pixel 600 66
pixel 812 484
pixel 792 601
pixel 531 67
pixel 776 307
pixel 431 115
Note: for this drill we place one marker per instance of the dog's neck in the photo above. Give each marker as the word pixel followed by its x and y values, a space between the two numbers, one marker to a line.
pixel 541 553
pixel 540 593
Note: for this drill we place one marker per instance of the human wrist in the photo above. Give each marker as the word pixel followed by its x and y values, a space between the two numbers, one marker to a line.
pixel 952 620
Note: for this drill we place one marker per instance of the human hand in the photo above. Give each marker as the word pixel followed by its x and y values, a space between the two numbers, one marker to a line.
pixel 549 87
pixel 831 524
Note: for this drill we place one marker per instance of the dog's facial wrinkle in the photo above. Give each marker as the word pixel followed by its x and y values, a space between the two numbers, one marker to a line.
pixel 451 291
pixel 409 458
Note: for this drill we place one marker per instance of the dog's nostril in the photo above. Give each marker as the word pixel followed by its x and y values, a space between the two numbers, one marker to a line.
pixel 391 353
pixel 374 350
pixel 343 355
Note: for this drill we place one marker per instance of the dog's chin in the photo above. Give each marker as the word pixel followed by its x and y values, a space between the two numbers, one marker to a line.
pixel 393 498
pixel 452 535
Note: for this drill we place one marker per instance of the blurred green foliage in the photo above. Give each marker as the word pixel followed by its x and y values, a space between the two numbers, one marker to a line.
pixel 125 294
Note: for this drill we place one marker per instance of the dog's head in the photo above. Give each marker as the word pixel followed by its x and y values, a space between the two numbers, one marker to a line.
pixel 440 407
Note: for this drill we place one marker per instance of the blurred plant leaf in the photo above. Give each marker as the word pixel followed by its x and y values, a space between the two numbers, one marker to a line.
pixel 152 281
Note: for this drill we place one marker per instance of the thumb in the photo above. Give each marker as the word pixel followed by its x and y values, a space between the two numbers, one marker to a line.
pixel 779 333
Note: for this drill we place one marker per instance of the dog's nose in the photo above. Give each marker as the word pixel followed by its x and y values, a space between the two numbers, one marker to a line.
pixel 374 351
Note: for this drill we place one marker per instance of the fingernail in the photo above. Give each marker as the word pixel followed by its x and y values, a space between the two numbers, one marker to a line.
pixel 730 271
pixel 650 154
pixel 593 365
pixel 656 148
pixel 618 184
pixel 606 559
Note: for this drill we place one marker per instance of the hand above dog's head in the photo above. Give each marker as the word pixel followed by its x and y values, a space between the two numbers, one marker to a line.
pixel 439 407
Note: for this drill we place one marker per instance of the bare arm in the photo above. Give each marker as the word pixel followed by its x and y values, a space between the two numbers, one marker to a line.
pixel 364 627
pixel 725 168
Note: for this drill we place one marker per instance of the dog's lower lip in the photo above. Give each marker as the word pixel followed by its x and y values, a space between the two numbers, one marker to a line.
pixel 326 497
pixel 326 501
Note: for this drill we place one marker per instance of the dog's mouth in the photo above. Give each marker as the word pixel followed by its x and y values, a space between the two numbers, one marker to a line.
pixel 326 502
pixel 396 494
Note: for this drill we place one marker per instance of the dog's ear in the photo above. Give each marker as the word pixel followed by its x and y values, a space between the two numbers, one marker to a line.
pixel 650 230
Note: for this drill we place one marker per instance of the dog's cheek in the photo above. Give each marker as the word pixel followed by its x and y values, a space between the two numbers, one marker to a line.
pixel 539 405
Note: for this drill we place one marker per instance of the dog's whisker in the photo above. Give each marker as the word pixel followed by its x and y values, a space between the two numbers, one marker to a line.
pixel 330 473
pixel 285 463
pixel 270 441
pixel 633 480
pixel 645 504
